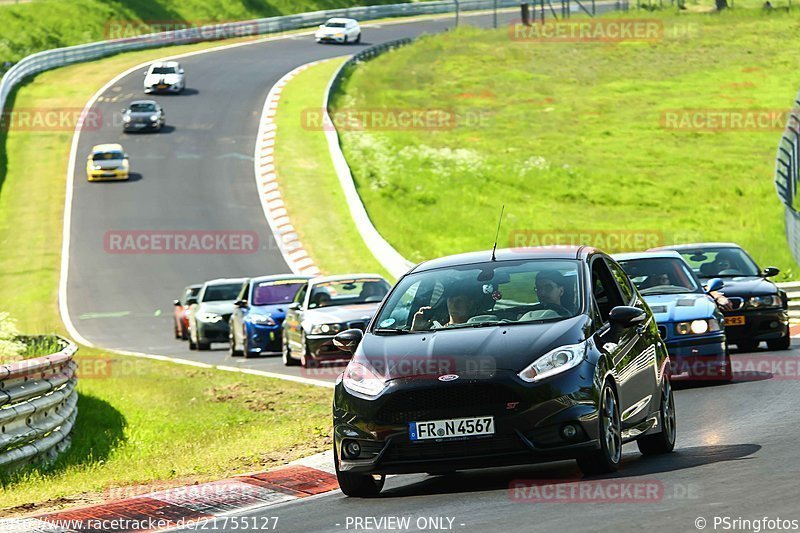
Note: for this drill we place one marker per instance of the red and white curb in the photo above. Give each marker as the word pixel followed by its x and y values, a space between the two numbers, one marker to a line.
pixel 269 192
pixel 194 504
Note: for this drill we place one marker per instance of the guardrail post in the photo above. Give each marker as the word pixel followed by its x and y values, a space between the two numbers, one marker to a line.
pixel 525 9
pixel 458 10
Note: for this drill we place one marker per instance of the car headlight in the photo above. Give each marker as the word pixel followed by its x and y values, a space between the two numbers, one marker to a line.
pixel 555 362
pixel 325 329
pixel 126 118
pixel 261 319
pixel 697 327
pixel 363 379
pixel 153 118
pixel 211 318
pixel 758 302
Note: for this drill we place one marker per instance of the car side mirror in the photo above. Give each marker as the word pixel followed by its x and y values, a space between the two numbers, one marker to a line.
pixel 145 73
pixel 180 71
pixel 625 316
pixel 770 271
pixel 293 305
pixel 714 284
pixel 240 303
pixel 176 302
pixel 191 300
pixel 348 340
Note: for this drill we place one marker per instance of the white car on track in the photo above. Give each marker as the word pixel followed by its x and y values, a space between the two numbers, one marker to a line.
pixel 164 77
pixel 339 30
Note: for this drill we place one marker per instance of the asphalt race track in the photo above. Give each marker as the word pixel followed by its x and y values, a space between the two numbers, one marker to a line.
pixel 737 443
pixel 197 174
pixel 735 457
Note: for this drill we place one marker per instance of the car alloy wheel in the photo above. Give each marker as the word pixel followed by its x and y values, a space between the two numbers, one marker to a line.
pixel 664 440
pixel 286 352
pixel 607 458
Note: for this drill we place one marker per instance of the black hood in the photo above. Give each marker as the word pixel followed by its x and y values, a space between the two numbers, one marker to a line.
pixel 469 351
pixel 748 286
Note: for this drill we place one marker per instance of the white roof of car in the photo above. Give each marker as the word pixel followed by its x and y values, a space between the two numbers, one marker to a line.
pixel 174 64
pixel 339 19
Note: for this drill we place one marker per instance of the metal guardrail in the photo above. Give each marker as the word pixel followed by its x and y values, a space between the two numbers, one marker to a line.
pixel 58 57
pixel 787 176
pixel 38 406
pixel 792 289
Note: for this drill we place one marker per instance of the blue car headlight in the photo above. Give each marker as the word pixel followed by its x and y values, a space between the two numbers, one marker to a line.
pixel 264 320
pixel 698 327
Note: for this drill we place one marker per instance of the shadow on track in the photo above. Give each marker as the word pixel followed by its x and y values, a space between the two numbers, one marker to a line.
pixel 567 471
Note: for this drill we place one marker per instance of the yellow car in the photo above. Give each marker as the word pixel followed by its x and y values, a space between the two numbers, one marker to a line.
pixel 107 162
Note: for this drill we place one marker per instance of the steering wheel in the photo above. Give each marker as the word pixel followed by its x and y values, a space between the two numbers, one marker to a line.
pixel 561 310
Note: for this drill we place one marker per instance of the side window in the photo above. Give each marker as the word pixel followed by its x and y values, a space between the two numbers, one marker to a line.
pixel 604 289
pixel 623 281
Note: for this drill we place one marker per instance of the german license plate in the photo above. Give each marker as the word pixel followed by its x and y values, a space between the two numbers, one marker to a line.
pixel 163 86
pixel 454 427
pixel 734 320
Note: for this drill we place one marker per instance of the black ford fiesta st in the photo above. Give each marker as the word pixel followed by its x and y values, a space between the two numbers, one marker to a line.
pixel 477 360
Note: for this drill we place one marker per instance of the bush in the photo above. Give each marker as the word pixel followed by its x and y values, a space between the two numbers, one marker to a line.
pixel 11 348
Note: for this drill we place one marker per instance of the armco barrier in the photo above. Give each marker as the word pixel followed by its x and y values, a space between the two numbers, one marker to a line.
pixel 792 289
pixel 38 406
pixel 58 57
pixel 787 178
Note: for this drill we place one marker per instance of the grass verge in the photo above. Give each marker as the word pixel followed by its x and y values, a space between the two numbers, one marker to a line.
pixel 140 421
pixel 571 138
pixel 308 182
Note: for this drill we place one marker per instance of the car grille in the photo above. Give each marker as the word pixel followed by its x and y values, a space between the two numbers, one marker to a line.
pixel 357 324
pixel 419 405
pixel 662 331
pixel 412 451
pixel 736 302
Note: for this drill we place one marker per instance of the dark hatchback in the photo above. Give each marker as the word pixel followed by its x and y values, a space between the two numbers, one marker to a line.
pixel 539 355
pixel 758 309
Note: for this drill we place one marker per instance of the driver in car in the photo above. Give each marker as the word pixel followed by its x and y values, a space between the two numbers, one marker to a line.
pixel 462 304
pixel 550 288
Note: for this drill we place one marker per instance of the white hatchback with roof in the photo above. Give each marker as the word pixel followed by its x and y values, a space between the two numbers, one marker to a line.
pixel 339 30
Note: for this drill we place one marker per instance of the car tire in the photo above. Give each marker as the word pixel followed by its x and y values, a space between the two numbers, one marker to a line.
pixel 664 440
pixel 192 344
pixel 286 353
pixel 358 485
pixel 184 334
pixel 784 343
pixel 747 346
pixel 358 39
pixel 306 361
pixel 346 40
pixel 607 458
pixel 203 346
pixel 232 350
pixel 178 331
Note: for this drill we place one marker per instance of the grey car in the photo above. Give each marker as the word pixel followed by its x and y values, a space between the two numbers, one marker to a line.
pixel 211 311
pixel 143 115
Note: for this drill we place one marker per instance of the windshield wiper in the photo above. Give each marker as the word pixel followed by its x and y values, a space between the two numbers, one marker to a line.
pixel 390 331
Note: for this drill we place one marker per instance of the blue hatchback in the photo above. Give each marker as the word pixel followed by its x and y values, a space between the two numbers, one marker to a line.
pixel 687 314
pixel 256 325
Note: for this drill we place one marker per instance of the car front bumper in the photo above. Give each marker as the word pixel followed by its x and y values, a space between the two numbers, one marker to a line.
pixel 329 39
pixel 528 419
pixel 321 348
pixel 698 357
pixel 107 175
pixel 759 325
pixel 262 338
pixel 140 126
pixel 212 331
pixel 163 88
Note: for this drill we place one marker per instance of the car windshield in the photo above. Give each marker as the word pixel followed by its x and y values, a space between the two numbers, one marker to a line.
pixel 484 294
pixel 347 292
pixel 163 70
pixel 720 262
pixel 223 292
pixel 143 108
pixel 335 25
pixel 276 292
pixel 661 275
pixel 107 156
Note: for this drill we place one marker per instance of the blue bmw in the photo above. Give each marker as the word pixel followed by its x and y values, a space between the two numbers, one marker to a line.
pixel 256 325
pixel 687 314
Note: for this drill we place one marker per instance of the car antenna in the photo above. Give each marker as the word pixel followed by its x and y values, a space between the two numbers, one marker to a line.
pixel 494 248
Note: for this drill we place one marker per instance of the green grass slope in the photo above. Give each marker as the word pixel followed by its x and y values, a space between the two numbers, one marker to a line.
pixel 571 138
pixel 43 24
